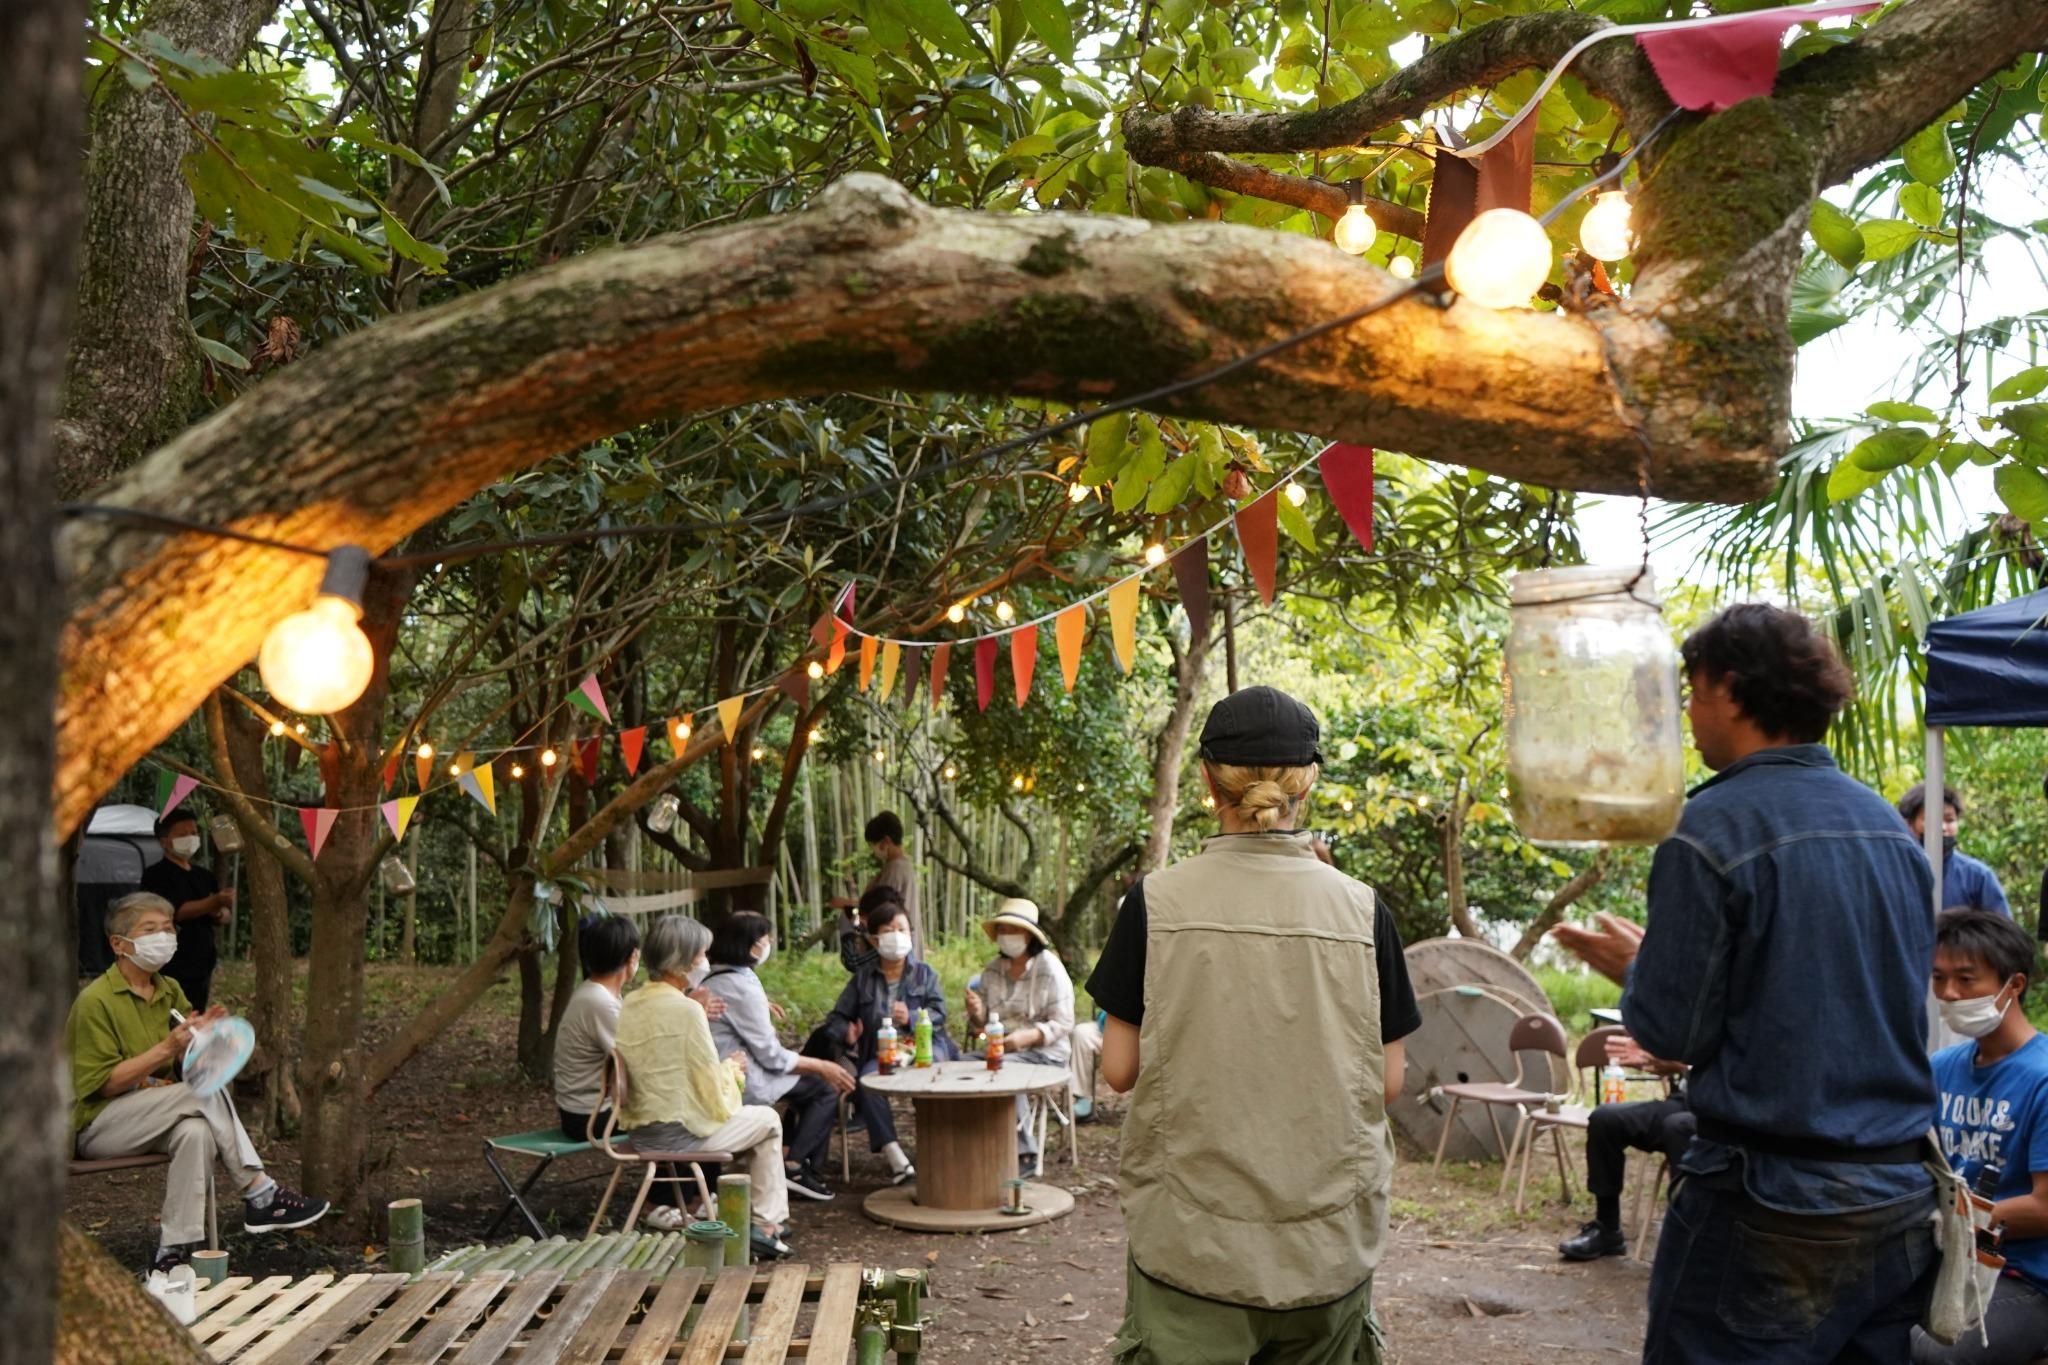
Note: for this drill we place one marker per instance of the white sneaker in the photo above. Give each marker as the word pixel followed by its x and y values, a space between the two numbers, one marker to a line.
pixel 664 1218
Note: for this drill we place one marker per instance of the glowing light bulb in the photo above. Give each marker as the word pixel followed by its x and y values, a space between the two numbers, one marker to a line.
pixel 957 613
pixel 1346 803
pixel 1402 267
pixel 517 772
pixel 1077 492
pixel 548 758
pixel 816 734
pixel 1080 786
pixel 1017 783
pixel 1355 231
pixel 1209 803
pixel 1605 232
pixel 1005 612
pixel 756 753
pixel 299 728
pixel 1500 260
pixel 276 728
pixel 816 670
pixel 951 772
pixel 881 755
pixel 1422 802
pixel 454 770
pixel 1155 555
pixel 426 750
pixel 1296 494
pixel 683 732
pixel 318 661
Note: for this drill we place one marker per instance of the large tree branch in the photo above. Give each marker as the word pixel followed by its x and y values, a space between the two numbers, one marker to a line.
pixel 1304 192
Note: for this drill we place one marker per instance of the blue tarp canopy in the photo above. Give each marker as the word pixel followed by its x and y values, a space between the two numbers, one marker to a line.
pixel 1990 666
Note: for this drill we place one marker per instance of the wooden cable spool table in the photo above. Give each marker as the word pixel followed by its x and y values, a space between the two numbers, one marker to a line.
pixel 967 1149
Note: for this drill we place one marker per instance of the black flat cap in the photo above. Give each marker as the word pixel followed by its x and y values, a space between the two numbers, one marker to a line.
pixel 1261 727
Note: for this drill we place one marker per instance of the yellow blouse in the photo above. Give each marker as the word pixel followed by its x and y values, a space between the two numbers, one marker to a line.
pixel 673 1073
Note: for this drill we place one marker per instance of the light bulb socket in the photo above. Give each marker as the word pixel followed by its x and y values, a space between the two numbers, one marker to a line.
pixel 1354 193
pixel 348 574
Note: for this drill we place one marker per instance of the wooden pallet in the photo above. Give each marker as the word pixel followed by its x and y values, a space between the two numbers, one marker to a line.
pixel 609 1316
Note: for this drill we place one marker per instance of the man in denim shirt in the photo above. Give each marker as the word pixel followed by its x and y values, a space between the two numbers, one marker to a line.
pixel 1787 961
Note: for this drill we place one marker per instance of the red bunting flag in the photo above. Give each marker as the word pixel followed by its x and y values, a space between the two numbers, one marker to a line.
pixel 318 823
pixel 1713 66
pixel 942 654
pixel 984 671
pixel 1191 576
pixel 913 657
pixel 796 685
pixel 1023 660
pixel 391 767
pixel 1069 628
pixel 869 648
pixel 821 631
pixel 630 743
pixel 1258 531
pixel 1347 477
pixel 587 754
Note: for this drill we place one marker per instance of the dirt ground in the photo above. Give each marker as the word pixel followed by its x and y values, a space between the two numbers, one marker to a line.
pixel 1464 1279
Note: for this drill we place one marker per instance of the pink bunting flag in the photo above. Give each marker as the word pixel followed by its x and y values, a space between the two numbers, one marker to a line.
pixel 984 671
pixel 398 814
pixel 1719 63
pixel 1023 660
pixel 318 823
pixel 1258 531
pixel 942 655
pixel 1191 576
pixel 631 742
pixel 588 696
pixel 1347 477
pixel 181 788
pixel 587 754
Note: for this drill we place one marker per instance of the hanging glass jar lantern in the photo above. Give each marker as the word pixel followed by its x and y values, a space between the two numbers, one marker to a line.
pixel 661 817
pixel 1593 747
pixel 227 835
pixel 397 876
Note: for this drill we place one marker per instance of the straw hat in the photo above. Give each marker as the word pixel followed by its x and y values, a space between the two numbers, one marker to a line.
pixel 1015 913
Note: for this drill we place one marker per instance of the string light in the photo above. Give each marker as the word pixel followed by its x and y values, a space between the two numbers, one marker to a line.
pixel 1017 783
pixel 957 613
pixel 1296 494
pixel 1500 260
pixel 881 755
pixel 1005 612
pixel 1605 232
pixel 1077 492
pixel 756 753
pixel 1402 267
pixel 548 758
pixel 1346 803
pixel 951 772
pixel 300 728
pixel 1422 803
pixel 1209 803
pixel 816 670
pixel 816 734
pixel 276 728
pixel 1155 555
pixel 426 750
pixel 683 729
pixel 454 770
pixel 1080 786
pixel 517 772
pixel 1355 231
pixel 318 661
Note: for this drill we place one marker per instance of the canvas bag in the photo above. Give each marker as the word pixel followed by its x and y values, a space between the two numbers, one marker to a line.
pixel 1963 1285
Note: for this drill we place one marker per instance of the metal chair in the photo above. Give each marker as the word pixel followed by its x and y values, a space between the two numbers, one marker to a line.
pixel 1531 1033
pixel 613 1101
pixel 1057 1101
pixel 1589 1059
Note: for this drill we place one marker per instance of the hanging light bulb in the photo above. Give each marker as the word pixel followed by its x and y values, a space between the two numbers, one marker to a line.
pixel 816 734
pixel 683 730
pixel 1080 786
pixel 299 728
pixel 518 771
pixel 426 750
pixel 276 728
pixel 1605 232
pixel 1402 267
pixel 951 772
pixel 756 753
pixel 1017 783
pixel 1500 260
pixel 549 758
pixel 1077 492
pixel 454 770
pixel 1005 612
pixel 318 661
pixel 815 669
pixel 1356 231
pixel 1155 555
pixel 957 613
pixel 1346 803
pixel 1296 494
pixel 1209 803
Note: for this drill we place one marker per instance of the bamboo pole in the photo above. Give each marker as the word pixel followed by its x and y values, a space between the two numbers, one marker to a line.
pixel 407 1251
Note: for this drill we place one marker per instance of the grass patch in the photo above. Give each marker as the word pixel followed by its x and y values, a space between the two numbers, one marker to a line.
pixel 1573 993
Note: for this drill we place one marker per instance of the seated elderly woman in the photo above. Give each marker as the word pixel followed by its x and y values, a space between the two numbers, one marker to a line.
pixel 1028 988
pixel 680 1096
pixel 810 1086
pixel 892 988
pixel 124 1048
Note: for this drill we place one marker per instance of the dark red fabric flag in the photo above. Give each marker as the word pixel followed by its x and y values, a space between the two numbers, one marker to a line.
pixel 587 754
pixel 1258 531
pixel 984 671
pixel 1347 477
pixel 1191 576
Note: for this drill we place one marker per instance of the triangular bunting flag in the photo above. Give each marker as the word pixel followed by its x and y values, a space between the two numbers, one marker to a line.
pixel 1191 576
pixel 678 737
pixel 913 666
pixel 942 654
pixel 318 823
pixel 1712 67
pixel 1023 660
pixel 1123 622
pixel 391 767
pixel 869 648
pixel 423 769
pixel 398 814
pixel 1347 477
pixel 1069 628
pixel 630 743
pixel 796 685
pixel 181 787
pixel 588 751
pixel 1507 174
pixel 1258 532
pixel 984 671
pixel 821 631
pixel 164 780
pixel 729 717
pixel 892 659
pixel 589 697
pixel 483 785
pixel 836 655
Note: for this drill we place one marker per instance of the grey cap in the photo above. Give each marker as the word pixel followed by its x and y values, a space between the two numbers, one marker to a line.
pixel 1261 727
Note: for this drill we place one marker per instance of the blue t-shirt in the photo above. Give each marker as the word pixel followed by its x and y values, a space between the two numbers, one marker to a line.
pixel 1965 881
pixel 1999 1113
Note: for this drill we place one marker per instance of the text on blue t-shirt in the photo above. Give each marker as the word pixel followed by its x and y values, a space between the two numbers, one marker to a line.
pixel 1998 1113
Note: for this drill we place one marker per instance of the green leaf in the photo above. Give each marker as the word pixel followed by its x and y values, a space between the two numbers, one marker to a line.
pixel 855 69
pixel 1294 521
pixel 1930 159
pixel 940 24
pixel 1108 440
pixel 1884 238
pixel 2029 422
pixel 321 190
pixel 1953 455
pixel 1031 146
pixel 1848 479
pixel 1901 412
pixel 2024 491
pixel 1835 233
pixel 1173 485
pixel 222 354
pixel 1922 204
pixel 432 259
pixel 1888 449
pixel 2025 384
pixel 1050 21
pixel 1136 477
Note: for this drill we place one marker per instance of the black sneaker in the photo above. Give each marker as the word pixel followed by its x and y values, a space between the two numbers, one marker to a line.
pixel 806 1181
pixel 1029 1167
pixel 765 1247
pixel 288 1209
pixel 1595 1240
pixel 909 1172
pixel 170 1258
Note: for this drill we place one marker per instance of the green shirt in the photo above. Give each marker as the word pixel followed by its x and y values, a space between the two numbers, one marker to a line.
pixel 110 1023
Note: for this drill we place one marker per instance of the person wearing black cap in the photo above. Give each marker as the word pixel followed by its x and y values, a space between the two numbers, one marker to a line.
pixel 1254 1241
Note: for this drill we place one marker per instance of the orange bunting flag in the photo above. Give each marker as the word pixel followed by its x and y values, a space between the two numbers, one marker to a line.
pixel 836 655
pixel 678 737
pixel 423 768
pixel 869 648
pixel 729 716
pixel 892 659
pixel 630 744
pixel 1069 629
pixel 1258 532
pixel 942 655
pixel 391 767
pixel 984 671
pixel 1023 660
pixel 1123 621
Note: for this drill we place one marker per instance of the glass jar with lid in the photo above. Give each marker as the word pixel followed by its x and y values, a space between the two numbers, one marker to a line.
pixel 1593 746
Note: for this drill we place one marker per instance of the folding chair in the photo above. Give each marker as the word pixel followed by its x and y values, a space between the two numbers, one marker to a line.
pixel 614 1100
pixel 1531 1033
pixel 1588 1060
pixel 1049 1101
pixel 545 1144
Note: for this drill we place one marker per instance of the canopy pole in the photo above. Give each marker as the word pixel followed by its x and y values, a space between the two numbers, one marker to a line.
pixel 1939 1035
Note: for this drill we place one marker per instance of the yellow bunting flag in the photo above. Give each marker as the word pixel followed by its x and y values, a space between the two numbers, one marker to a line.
pixel 729 716
pixel 398 814
pixel 1123 621
pixel 487 791
pixel 1069 629
pixel 868 646
pixel 892 658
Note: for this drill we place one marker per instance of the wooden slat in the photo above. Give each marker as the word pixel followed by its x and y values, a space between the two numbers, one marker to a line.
pixel 832 1327
pixel 776 1321
pixel 453 1319
pixel 664 1320
pixel 577 1304
pixel 212 1296
pixel 510 1320
pixel 721 1313
pixel 238 1305
pixel 393 1323
pixel 226 1344
pixel 608 1319
pixel 303 1339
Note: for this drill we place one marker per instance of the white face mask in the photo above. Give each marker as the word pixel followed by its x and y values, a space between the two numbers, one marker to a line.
pixel 763 953
pixel 695 975
pixel 185 845
pixel 894 945
pixel 152 951
pixel 1976 1018
pixel 1012 945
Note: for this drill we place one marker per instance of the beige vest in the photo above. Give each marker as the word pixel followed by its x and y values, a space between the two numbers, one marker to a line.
pixel 1256 1155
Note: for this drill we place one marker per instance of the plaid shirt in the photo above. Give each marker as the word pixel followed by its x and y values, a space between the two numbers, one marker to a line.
pixel 1043 998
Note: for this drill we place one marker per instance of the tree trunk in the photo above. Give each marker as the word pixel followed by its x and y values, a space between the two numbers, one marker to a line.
pixel 268 914
pixel 133 378
pixel 1552 913
pixel 104 1314
pixel 41 54
pixel 1451 832
pixel 1164 804
pixel 532 1048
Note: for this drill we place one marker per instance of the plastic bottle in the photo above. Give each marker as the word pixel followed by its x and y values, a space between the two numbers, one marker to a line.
pixel 1613 1084
pixel 995 1042
pixel 885 1048
pixel 922 1032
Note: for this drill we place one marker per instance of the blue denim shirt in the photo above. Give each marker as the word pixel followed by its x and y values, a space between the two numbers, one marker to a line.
pixel 1788 956
pixel 1965 881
